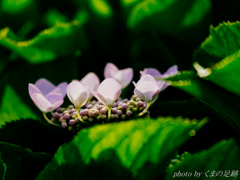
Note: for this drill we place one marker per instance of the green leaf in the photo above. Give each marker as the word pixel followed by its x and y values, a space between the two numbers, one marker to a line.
pixel 220 52
pixel 28 133
pixel 137 148
pixel 168 16
pixel 53 17
pixel 221 157
pixel 22 163
pixel 15 6
pixel 222 102
pixel 12 108
pixel 3 168
pixel 60 40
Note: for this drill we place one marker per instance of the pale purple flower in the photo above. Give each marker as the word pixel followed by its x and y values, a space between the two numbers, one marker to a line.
pixel 78 94
pixel 108 92
pixel 48 103
pixel 123 76
pixel 156 74
pixel 46 96
pixel 46 87
pixel 92 81
pixel 147 87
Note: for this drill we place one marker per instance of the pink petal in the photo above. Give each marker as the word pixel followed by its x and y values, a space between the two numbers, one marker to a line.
pixel 44 86
pixel 110 89
pixel 41 102
pixel 95 94
pixel 56 105
pixel 148 89
pixel 110 70
pixel 161 84
pixel 92 81
pixel 124 77
pixel 63 87
pixel 54 98
pixel 148 78
pixel 152 71
pixel 88 92
pixel 33 89
pixel 172 70
pixel 165 86
pixel 134 84
pixel 56 90
pixel 77 94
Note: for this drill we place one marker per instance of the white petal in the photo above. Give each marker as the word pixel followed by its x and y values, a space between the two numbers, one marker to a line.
pixel 77 94
pixel 110 89
pixel 110 70
pixel 146 90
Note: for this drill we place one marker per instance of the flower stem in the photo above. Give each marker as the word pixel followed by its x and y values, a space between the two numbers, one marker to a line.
pixel 79 117
pixel 154 99
pixel 50 122
pixel 109 112
pixel 145 110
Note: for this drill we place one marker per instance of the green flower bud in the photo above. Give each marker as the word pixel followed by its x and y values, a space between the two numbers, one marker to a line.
pixel 123 116
pixel 90 119
pixel 134 110
pixel 85 118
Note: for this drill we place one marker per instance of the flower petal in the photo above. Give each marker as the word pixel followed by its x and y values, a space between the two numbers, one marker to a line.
pixel 33 89
pixel 54 98
pixel 135 84
pixel 110 89
pixel 100 98
pixel 172 70
pixel 161 84
pixel 44 86
pixel 77 94
pixel 55 91
pixel 152 71
pixel 147 89
pixel 148 78
pixel 139 94
pixel 124 77
pixel 92 81
pixel 110 70
pixel 63 87
pixel 41 102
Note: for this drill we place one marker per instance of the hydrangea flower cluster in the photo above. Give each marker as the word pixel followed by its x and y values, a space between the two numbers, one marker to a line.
pixel 108 107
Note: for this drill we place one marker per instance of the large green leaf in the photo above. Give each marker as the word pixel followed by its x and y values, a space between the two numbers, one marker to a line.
pixel 12 108
pixel 22 163
pixel 28 133
pixel 137 148
pixel 60 40
pixel 168 16
pixel 218 162
pixel 218 99
pixel 221 53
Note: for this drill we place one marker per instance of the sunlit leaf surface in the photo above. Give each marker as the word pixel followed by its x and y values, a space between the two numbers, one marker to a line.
pixel 136 148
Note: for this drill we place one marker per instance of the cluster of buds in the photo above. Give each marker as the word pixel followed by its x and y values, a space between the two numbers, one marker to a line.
pixel 95 112
pixel 84 112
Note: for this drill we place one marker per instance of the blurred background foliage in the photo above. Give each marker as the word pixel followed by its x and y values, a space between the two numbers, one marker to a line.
pixel 64 40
